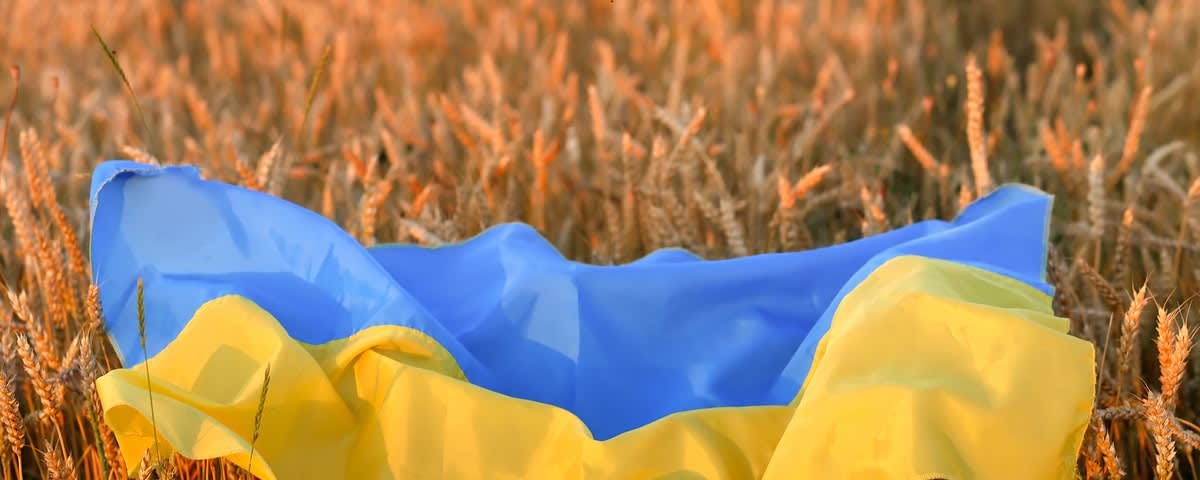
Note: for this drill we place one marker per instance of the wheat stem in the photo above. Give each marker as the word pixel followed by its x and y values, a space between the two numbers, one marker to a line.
pixel 141 315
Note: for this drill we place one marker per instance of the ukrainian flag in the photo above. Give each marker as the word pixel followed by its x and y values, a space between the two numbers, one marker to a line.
pixel 930 351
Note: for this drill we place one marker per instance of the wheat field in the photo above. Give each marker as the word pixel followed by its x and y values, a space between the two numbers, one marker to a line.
pixel 616 127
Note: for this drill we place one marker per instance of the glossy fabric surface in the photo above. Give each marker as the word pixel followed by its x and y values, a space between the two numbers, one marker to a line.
pixel 930 369
pixel 618 346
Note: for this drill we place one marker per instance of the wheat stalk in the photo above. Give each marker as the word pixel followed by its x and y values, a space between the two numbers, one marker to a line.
pixel 112 57
pixel 13 428
pixel 974 109
pixel 1095 200
pixel 438 117
pixel 258 415
pixel 141 315
pixel 1129 331
pixel 1133 137
pixel 1158 420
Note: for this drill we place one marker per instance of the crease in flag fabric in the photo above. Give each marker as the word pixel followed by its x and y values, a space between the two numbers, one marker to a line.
pixel 929 351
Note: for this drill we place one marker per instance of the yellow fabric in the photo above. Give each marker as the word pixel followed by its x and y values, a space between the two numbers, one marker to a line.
pixel 939 370
pixel 931 369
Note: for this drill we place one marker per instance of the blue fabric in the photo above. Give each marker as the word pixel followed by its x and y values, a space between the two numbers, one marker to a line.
pixel 620 346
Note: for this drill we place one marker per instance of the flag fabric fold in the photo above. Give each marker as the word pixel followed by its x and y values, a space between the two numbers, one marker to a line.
pixel 927 351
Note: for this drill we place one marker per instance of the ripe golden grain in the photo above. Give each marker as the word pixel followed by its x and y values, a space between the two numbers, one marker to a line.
pixel 616 129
